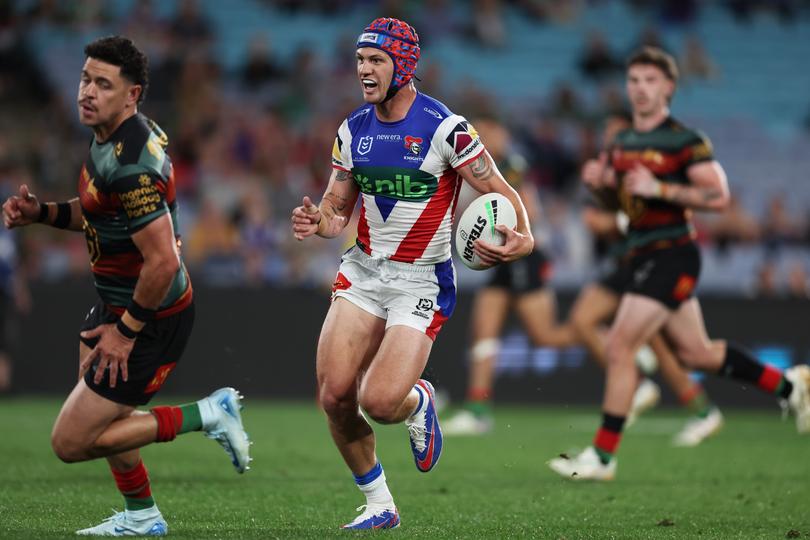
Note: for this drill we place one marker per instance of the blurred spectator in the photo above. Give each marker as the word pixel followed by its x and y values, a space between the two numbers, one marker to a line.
pixel 734 225
pixel 213 236
pixel 778 226
pixel 489 27
pixel 695 62
pixel 260 66
pixel 597 61
pixel 190 28
pixel 678 12
pixel 798 284
pixel 765 285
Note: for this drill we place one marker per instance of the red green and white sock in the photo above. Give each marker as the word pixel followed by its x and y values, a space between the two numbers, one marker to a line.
pixel 134 486
pixel 173 421
pixel 608 436
pixel 479 402
pixel 697 401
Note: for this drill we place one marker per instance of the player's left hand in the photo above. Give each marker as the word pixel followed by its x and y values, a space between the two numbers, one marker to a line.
pixel 112 350
pixel 517 245
pixel 640 181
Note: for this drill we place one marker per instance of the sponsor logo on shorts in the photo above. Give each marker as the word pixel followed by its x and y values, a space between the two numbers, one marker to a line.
pixel 424 304
pixel 160 377
pixel 421 314
pixel 684 287
pixel 341 283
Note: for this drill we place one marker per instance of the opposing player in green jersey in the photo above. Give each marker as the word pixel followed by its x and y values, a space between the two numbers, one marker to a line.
pixel 659 171
pixel 134 336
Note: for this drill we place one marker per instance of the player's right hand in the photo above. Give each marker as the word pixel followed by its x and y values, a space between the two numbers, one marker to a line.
pixel 597 174
pixel 22 209
pixel 305 219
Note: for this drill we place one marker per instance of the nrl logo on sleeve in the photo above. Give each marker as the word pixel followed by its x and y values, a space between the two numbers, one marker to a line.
pixel 364 145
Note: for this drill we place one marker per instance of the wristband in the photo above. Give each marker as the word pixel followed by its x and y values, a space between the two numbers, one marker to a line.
pixel 43 212
pixel 63 215
pixel 140 313
pixel 125 330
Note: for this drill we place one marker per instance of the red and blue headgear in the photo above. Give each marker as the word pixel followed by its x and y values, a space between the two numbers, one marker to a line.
pixel 400 41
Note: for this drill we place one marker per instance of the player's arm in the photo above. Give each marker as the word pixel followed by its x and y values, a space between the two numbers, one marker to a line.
pixel 600 179
pixel 24 209
pixel 161 262
pixel 329 218
pixel 483 175
pixel 707 188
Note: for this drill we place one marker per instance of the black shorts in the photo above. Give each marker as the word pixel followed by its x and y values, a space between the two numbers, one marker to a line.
pixel 668 275
pixel 523 275
pixel 617 278
pixel 157 350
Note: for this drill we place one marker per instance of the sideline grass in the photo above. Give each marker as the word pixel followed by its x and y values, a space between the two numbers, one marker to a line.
pixel 750 481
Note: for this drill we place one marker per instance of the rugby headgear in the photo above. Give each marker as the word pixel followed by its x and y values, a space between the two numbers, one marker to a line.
pixel 400 41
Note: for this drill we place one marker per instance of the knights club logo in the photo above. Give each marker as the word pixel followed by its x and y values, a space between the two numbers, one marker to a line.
pixel 364 145
pixel 414 144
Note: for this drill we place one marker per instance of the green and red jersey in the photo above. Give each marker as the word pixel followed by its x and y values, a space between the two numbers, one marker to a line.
pixel 126 183
pixel 668 151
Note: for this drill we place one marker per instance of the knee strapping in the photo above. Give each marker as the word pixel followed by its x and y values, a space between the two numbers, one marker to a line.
pixel 484 349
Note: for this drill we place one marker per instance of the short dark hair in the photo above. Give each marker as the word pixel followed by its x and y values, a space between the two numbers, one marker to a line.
pixel 653 56
pixel 122 52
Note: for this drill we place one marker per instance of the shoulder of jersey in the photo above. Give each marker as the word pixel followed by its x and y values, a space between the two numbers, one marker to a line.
pixel 130 143
pixel 688 134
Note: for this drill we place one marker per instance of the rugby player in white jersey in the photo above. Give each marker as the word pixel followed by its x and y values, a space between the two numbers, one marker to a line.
pixel 406 153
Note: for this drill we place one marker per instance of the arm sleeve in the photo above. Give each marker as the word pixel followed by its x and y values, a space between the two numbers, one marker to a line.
pixel 341 150
pixel 461 143
pixel 142 197
pixel 700 150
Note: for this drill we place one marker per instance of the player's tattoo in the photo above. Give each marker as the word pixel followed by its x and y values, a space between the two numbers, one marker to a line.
pixel 342 176
pixel 481 168
pixel 337 202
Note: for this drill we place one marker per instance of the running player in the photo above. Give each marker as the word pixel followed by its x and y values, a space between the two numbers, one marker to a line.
pixel 135 334
pixel 521 285
pixel 659 171
pixel 597 304
pixel 406 153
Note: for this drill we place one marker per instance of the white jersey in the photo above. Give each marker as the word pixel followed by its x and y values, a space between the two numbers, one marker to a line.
pixel 406 172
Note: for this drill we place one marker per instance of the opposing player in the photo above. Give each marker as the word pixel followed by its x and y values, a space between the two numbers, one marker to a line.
pixel 660 171
pixel 521 285
pixel 135 334
pixel 406 153
pixel 597 304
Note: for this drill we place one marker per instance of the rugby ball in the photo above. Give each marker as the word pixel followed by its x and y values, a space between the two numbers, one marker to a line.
pixel 478 222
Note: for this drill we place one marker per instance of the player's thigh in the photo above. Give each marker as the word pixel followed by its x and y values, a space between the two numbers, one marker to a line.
pixel 490 308
pixel 349 339
pixel 537 311
pixel 400 360
pixel 593 306
pixel 85 414
pixel 686 332
pixel 637 320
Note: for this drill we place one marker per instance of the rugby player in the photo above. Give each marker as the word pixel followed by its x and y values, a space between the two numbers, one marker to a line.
pixel 406 153
pixel 133 337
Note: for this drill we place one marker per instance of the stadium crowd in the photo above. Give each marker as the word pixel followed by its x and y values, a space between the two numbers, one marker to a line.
pixel 246 143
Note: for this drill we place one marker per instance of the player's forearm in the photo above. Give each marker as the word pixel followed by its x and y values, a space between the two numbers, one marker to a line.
pixel 335 213
pixel 154 282
pixel 696 197
pixel 65 215
pixel 606 197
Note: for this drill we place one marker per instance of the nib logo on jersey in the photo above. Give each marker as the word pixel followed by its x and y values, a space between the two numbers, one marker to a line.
pixel 396 182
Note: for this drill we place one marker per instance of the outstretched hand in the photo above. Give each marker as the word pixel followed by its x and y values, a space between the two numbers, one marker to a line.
pixel 517 245
pixel 20 210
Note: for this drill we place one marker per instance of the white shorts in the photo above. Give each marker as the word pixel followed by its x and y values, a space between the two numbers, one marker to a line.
pixel 419 296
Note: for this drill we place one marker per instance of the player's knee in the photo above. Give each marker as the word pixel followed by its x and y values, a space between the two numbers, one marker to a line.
pixel 617 351
pixel 380 408
pixel 337 404
pixel 66 450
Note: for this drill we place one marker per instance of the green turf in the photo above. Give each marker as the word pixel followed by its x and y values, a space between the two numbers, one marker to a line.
pixel 751 481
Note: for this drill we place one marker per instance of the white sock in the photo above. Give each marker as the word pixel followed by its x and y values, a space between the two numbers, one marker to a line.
pixel 422 400
pixel 144 514
pixel 377 493
pixel 207 414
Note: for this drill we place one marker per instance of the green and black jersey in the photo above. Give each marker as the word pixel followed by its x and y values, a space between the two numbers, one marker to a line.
pixel 126 183
pixel 668 151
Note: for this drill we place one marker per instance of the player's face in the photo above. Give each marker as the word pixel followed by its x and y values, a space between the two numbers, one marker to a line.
pixel 648 88
pixel 104 94
pixel 375 69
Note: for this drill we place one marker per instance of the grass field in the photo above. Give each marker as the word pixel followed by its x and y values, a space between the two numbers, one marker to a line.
pixel 751 481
